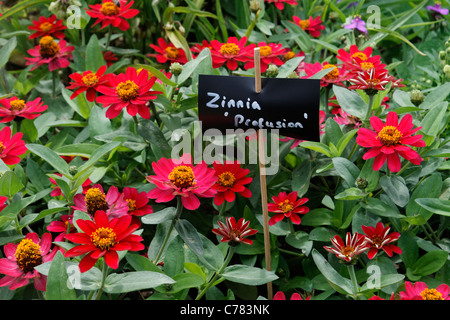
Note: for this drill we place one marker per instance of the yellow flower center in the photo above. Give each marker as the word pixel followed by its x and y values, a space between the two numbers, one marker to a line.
pixel 46 26
pixel 90 79
pixel 334 74
pixel 265 51
pixel 289 55
pixel 109 9
pixel 28 255
pixel 47 47
pixel 390 135
pixel 131 205
pixel 17 105
pixel 182 176
pixel 347 251
pixel 377 241
pixel 360 55
pixel 95 200
pixel 103 238
pixel 227 179
pixel 367 65
pixel 127 90
pixel 285 206
pixel 172 52
pixel 431 294
pixel 229 49
pixel 304 24
pixel 2 147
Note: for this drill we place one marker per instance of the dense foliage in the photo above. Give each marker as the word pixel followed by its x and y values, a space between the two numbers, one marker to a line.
pixel 95 95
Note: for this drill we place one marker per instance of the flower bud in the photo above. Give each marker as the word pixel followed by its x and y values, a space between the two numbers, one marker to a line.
pixel 416 97
pixel 176 68
pixel 334 16
pixel 73 170
pixel 361 183
pixel 255 6
pixel 447 71
pixel 272 71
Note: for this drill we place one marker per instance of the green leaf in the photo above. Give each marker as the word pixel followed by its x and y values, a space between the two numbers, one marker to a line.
pixel 133 281
pixel 191 66
pixel 428 188
pixel 94 55
pixel 174 257
pixel 317 146
pixel 352 193
pixel 429 263
pixel 151 132
pixel 6 50
pixel 435 97
pixel 339 282
pixel 350 101
pixel 189 235
pixel 51 157
pixel 155 72
pixel 159 216
pixel 346 169
pixel 57 280
pixel 182 281
pixel 381 208
pixel 431 124
pixel 10 184
pixel 251 276
pixel 396 189
pixel 438 206
pixel 96 156
pixel 288 67
pixel 141 263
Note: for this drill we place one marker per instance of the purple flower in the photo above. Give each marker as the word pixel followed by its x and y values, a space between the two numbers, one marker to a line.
pixel 437 8
pixel 357 23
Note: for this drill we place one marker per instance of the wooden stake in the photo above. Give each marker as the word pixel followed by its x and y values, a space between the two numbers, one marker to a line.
pixel 262 178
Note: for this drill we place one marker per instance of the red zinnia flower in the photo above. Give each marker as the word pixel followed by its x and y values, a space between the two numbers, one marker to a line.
pixel 312 26
pixel 108 13
pixel 15 107
pixel 181 178
pixel 47 27
pixel 336 76
pixel 287 205
pixel 351 249
pixel 197 48
pixel 235 232
pixel 113 203
pixel 371 81
pixel 64 226
pixel 55 55
pixel 130 90
pixel 21 258
pixel 89 82
pixel 357 60
pixel 11 147
pixel 3 203
pixel 231 52
pixel 137 203
pixel 420 291
pixel 109 57
pixel 231 179
pixel 380 238
pixel 390 140
pixel 269 53
pixel 280 3
pixel 295 296
pixel 103 238
pixel 168 52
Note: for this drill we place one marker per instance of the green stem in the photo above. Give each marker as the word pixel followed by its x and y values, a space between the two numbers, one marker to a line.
pixel 230 254
pixel 252 25
pixel 369 109
pixel 104 274
pixel 108 38
pixel 172 225
pixel 351 271
pixel 54 84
